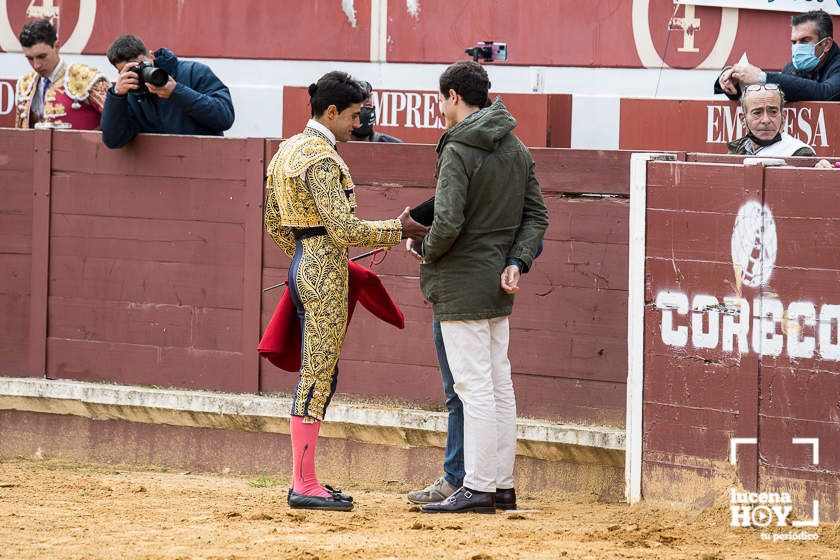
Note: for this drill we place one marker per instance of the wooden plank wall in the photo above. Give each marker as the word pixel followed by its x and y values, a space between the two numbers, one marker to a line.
pixel 697 397
pixel 17 157
pixel 693 403
pixel 800 396
pixel 147 261
pixel 156 257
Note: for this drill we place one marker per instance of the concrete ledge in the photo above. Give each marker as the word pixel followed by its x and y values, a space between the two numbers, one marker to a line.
pixel 351 421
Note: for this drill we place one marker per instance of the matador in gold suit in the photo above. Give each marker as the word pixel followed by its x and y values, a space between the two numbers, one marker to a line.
pixel 310 214
pixel 72 98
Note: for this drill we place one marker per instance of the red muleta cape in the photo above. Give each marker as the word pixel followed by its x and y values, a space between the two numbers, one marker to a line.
pixel 281 342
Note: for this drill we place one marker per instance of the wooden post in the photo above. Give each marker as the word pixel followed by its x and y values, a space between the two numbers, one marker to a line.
pixel 39 281
pixel 252 272
pixel 747 422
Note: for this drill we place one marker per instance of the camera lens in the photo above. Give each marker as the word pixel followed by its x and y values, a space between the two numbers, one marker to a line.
pixel 155 76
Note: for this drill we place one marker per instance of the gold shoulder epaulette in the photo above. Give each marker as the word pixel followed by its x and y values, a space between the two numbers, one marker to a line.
pixel 79 80
pixel 25 86
pixel 301 151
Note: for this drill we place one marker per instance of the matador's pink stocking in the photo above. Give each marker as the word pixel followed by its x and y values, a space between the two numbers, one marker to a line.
pixel 304 439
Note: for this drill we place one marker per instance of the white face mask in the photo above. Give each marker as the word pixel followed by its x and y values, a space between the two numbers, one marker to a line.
pixel 804 55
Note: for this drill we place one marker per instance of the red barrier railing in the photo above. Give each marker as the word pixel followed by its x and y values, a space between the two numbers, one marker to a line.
pixel 145 266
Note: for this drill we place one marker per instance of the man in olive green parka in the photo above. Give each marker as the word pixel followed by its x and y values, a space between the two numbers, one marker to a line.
pixel 489 220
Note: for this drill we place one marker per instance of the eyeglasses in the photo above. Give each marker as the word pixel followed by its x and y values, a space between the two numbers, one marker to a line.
pixel 759 87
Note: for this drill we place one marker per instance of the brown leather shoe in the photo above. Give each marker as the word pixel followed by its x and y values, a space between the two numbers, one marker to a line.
pixel 505 498
pixel 464 500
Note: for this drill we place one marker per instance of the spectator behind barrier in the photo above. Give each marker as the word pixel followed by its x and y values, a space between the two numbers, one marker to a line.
pixel 192 101
pixel 364 132
pixel 56 94
pixel 813 73
pixel 763 118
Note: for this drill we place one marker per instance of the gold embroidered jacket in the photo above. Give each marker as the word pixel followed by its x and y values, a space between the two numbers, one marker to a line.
pixel 309 185
pixel 74 100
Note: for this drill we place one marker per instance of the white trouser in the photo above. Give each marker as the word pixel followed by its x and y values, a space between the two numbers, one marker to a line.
pixel 477 355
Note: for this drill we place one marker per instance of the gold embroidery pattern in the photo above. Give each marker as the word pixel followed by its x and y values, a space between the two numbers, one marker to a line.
pixel 324 180
pixel 321 281
pixel 53 110
pixel 309 185
pixel 79 80
pixel 282 235
pixel 24 93
pixel 286 172
pixel 25 85
pixel 98 93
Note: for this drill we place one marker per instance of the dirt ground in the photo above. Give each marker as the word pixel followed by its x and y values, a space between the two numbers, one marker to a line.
pixel 53 509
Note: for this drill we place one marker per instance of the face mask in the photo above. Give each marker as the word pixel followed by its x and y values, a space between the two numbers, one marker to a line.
pixel 758 141
pixel 367 116
pixel 804 57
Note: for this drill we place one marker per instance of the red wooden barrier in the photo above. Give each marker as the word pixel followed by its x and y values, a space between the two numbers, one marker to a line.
pixel 741 332
pixel 156 259
pixel 17 159
pixel 706 126
pixel 414 116
pixel 149 254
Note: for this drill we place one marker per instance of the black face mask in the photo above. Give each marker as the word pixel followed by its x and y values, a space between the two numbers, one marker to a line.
pixel 367 116
pixel 758 141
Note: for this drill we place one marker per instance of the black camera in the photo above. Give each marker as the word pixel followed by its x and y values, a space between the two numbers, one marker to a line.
pixel 488 51
pixel 149 73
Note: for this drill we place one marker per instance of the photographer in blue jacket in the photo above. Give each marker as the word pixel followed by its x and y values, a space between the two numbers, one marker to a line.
pixel 160 94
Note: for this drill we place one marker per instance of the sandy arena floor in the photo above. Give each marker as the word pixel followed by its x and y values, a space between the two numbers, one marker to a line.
pixel 51 509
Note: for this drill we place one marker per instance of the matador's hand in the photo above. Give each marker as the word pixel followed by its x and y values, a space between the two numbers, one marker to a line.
pixel 410 228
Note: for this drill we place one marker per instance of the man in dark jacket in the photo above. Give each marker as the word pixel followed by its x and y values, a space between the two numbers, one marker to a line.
pixel 192 101
pixel 364 132
pixel 813 73
pixel 489 219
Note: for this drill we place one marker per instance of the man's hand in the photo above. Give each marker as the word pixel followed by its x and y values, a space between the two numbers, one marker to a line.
pixel 410 245
pixel 410 228
pixel 746 74
pixel 127 80
pixel 510 279
pixel 165 90
pixel 727 83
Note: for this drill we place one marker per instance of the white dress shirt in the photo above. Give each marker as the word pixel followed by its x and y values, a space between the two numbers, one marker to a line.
pixel 322 129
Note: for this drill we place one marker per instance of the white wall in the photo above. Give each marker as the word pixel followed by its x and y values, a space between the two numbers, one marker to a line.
pixel 256 87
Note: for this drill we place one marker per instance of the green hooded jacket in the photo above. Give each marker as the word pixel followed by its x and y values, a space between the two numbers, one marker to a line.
pixel 488 209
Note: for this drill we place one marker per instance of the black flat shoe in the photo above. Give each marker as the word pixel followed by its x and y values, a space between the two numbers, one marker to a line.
pixel 302 501
pixel 464 500
pixel 505 498
pixel 338 494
